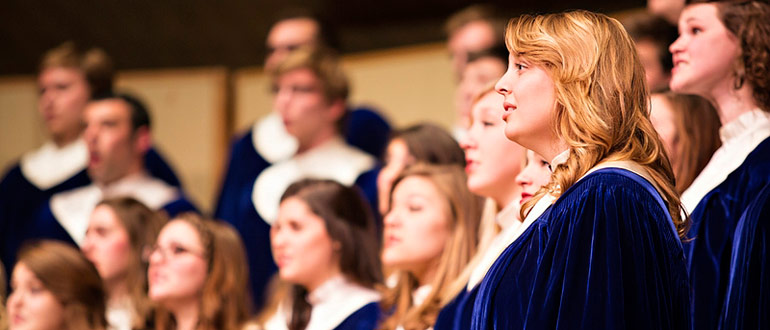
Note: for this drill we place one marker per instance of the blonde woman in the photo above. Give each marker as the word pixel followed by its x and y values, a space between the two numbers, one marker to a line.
pixel 430 234
pixel 601 249
pixel 722 55
pixel 493 163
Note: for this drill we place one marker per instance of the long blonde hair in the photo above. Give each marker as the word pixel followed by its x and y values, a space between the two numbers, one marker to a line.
pixel 465 210
pixel 602 100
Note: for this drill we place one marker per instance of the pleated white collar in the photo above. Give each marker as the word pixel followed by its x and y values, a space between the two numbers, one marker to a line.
pixel 739 138
pixel 333 302
pixel 72 208
pixel 50 165
pixel 334 160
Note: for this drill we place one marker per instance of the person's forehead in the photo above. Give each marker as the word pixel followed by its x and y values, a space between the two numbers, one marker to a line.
pixel 292 31
pixel 113 108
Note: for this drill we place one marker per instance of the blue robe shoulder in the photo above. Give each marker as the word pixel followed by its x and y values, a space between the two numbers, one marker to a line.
pixel 714 234
pixel 605 255
pixel 366 318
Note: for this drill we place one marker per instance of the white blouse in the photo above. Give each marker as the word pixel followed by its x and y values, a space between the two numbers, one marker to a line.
pixel 333 302
pixel 739 138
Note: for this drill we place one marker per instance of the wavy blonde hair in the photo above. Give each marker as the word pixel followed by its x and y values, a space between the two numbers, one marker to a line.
pixel 602 111
pixel 465 210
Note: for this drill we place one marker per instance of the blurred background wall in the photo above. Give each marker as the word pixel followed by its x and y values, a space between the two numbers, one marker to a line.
pixel 197 65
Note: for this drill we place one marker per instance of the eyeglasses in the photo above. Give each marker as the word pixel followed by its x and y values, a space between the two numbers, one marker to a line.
pixel 173 251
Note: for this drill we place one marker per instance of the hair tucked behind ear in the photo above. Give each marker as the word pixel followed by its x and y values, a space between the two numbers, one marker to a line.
pixel 602 100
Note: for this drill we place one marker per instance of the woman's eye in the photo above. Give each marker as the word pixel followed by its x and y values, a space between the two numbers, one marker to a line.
pixel 487 123
pixel 695 30
pixel 178 250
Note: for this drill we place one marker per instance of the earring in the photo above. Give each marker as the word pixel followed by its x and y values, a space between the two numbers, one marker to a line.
pixel 739 80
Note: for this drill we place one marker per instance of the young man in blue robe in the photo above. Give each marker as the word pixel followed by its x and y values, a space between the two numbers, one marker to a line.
pixel 117 136
pixel 310 104
pixel 67 80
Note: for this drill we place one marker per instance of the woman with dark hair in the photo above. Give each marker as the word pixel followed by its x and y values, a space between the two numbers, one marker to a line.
pixel 723 55
pixel 689 146
pixel 601 248
pixel 118 231
pixel 326 250
pixel 198 276
pixel 421 143
pixel 54 287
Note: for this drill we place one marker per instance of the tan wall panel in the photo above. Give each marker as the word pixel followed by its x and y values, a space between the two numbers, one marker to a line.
pixel 188 113
pixel 20 125
pixel 409 85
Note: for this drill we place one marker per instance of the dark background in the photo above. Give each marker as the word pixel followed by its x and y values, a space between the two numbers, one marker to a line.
pixel 142 34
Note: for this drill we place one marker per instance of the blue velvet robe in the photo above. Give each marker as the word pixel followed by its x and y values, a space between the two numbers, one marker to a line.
pixel 365 129
pixel 718 248
pixel 366 318
pixel 20 199
pixel 605 255
pixel 458 313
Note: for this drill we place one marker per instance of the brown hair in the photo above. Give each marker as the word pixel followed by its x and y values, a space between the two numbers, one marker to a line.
pixel 431 144
pixel 324 63
pixel 602 110
pixel 350 223
pixel 644 26
pixel 142 226
pixel 72 279
pixel 95 64
pixel 465 210
pixel 697 128
pixel 749 21
pixel 475 13
pixel 225 301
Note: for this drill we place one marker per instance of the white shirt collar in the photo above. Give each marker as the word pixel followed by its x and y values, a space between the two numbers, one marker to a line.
pixel 333 302
pixel 561 158
pixel 739 138
pixel 420 294
pixel 73 208
pixel 333 160
pixel 271 140
pixel 50 165
pixel 509 215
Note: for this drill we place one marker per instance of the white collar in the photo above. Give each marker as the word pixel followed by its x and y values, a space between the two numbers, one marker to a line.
pixel 271 140
pixel 420 294
pixel 561 158
pixel 509 215
pixel 739 138
pixel 333 160
pixel 120 316
pixel 50 165
pixel 73 208
pixel 333 302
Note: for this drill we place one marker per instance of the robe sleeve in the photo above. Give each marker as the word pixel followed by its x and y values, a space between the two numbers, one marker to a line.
pixel 748 293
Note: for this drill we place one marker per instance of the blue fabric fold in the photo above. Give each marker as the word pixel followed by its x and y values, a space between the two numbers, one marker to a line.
pixel 713 239
pixel 603 256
